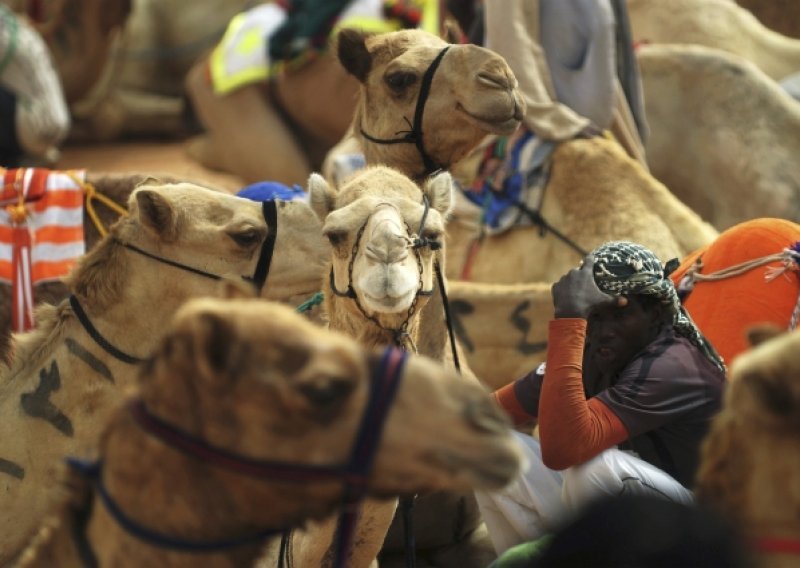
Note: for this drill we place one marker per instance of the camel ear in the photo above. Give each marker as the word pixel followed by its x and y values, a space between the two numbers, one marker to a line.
pixel 156 213
pixel 320 196
pixel 236 290
pixel 351 48
pixel 452 32
pixel 761 333
pixel 218 352
pixel 439 190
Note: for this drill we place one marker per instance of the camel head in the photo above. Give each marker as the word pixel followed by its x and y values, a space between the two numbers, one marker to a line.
pixel 472 93
pixel 372 223
pixel 198 236
pixel 260 381
pixel 751 448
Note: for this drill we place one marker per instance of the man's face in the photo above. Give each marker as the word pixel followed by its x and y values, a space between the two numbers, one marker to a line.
pixel 616 334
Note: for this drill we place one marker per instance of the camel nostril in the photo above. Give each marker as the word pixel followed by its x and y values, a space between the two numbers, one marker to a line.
pixel 485 416
pixel 494 80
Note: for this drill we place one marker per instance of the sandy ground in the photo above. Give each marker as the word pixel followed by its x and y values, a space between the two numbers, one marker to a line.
pixel 153 157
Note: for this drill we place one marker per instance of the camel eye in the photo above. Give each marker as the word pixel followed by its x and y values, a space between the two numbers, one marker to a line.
pixel 246 238
pixel 327 397
pixel 336 238
pixel 400 81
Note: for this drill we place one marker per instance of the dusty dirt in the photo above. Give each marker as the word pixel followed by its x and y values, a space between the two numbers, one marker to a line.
pixel 152 157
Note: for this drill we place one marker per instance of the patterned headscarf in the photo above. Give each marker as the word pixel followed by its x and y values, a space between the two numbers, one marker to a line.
pixel 622 267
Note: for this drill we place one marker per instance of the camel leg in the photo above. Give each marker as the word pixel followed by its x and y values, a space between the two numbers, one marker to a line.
pixel 245 135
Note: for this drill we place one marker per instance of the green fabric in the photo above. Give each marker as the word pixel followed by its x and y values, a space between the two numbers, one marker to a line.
pixel 522 555
pixel 308 22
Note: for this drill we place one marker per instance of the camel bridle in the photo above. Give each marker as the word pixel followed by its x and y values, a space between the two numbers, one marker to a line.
pixel 385 380
pixel 269 210
pixel 415 135
pixel 416 242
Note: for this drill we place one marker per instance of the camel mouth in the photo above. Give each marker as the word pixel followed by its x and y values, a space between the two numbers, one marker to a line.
pixel 388 304
pixel 481 472
pixel 501 126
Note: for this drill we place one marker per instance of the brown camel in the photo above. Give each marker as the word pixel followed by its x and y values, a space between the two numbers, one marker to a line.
pixel 66 375
pixel 378 285
pixel 595 192
pixel 750 465
pixel 255 380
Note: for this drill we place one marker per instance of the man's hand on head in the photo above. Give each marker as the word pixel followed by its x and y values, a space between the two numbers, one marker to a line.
pixel 576 293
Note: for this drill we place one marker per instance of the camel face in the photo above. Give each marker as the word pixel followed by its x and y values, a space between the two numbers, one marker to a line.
pixel 473 92
pixel 270 385
pixel 371 224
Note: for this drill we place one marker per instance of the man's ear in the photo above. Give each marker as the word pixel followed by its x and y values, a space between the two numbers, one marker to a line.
pixel 321 196
pixel 155 213
pixel 351 48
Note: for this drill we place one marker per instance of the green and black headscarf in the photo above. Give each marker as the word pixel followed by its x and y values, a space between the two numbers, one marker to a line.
pixel 625 268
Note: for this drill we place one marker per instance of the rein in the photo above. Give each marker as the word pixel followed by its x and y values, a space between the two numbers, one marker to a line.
pixel 415 135
pixel 384 383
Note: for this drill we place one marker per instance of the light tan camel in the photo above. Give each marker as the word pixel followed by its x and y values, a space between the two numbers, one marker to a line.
pixel 750 465
pixel 295 220
pixel 726 170
pixel 595 191
pixel 257 381
pixel 721 24
pixel 65 378
pixel 377 288
pixel 778 15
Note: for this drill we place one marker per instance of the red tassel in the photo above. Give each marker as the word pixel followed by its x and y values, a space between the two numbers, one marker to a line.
pixel 22 288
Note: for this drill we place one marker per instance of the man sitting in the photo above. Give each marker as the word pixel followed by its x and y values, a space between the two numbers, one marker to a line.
pixel 627 395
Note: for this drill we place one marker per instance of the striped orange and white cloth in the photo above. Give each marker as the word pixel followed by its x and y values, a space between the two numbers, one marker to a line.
pixel 41 232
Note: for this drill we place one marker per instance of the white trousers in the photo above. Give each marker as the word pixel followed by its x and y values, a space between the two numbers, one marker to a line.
pixel 539 500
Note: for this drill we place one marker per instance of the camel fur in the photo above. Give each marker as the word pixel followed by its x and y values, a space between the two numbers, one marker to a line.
pixel 727 170
pixel 61 386
pixel 257 380
pixel 595 192
pixel 750 465
pixel 720 24
pixel 385 273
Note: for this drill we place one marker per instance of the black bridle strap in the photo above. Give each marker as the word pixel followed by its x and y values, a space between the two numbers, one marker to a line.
pixel 97 337
pixel 384 389
pixel 94 472
pixel 270 211
pixel 415 135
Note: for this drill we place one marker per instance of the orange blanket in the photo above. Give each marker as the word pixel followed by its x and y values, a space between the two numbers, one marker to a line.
pixel 725 309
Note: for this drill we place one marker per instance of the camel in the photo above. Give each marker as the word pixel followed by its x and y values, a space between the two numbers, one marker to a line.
pixel 104 199
pixel 594 193
pixel 286 398
pixel 720 24
pixel 749 461
pixel 778 15
pixel 726 170
pixel 68 373
pixel 384 232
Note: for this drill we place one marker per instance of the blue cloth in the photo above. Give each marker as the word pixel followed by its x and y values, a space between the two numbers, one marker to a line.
pixel 271 190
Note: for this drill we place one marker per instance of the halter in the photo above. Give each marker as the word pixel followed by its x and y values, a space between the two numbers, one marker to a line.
pixel 400 334
pixel 384 383
pixel 259 277
pixel 415 135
